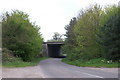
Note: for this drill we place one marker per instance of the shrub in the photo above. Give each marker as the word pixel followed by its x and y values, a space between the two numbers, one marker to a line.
pixel 7 56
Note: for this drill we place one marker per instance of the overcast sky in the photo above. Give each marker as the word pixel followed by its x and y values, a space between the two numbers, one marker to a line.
pixel 51 15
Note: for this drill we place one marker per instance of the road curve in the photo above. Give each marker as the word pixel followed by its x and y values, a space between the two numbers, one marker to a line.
pixel 54 68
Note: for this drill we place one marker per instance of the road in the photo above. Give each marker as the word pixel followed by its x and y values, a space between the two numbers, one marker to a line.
pixel 54 68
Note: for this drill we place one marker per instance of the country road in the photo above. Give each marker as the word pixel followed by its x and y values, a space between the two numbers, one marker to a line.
pixel 54 68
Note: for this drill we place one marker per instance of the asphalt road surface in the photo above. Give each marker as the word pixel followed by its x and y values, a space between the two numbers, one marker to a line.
pixel 54 68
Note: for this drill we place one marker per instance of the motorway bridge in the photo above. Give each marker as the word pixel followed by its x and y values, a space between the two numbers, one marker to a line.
pixel 52 49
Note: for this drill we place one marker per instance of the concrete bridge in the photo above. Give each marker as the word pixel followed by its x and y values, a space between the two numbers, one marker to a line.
pixel 52 49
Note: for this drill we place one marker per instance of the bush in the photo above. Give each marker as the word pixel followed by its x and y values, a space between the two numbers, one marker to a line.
pixel 7 56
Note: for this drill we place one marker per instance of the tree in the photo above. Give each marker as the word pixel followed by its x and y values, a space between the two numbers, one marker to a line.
pixel 70 37
pixel 81 35
pixel 110 36
pixel 20 35
pixel 70 41
pixel 85 34
pixel 94 34
pixel 85 31
pixel 56 37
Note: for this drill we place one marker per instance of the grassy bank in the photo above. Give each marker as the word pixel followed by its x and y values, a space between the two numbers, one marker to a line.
pixel 92 63
pixel 20 63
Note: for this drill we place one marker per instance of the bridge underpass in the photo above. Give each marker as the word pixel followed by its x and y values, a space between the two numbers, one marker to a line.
pixel 52 49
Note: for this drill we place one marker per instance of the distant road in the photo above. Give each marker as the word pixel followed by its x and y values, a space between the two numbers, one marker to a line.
pixel 54 68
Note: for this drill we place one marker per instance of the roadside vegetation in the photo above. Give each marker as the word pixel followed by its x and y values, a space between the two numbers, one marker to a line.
pixel 93 37
pixel 92 63
pixel 21 40
pixel 20 63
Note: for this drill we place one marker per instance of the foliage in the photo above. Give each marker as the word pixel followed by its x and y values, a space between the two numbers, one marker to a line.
pixel 7 56
pixel 20 35
pixel 85 31
pixel 110 37
pixel 56 37
pixel 93 63
pixel 81 39
pixel 70 39
pixel 20 63
pixel 70 36
pixel 93 34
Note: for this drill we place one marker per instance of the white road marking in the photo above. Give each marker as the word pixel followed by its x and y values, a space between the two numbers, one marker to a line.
pixel 93 75
pixel 88 74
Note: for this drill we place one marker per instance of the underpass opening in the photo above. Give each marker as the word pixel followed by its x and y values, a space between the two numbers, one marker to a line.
pixel 53 49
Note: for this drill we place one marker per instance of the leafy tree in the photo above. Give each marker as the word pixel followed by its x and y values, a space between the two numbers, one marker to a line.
pixel 20 35
pixel 56 37
pixel 85 30
pixel 84 35
pixel 70 37
pixel 110 36
pixel 94 34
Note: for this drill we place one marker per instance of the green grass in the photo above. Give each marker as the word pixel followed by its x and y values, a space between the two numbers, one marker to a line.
pixel 92 63
pixel 23 64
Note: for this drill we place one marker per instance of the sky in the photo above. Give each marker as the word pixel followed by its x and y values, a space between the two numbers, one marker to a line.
pixel 51 15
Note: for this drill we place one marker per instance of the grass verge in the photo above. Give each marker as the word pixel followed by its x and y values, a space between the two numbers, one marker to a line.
pixel 92 63
pixel 20 63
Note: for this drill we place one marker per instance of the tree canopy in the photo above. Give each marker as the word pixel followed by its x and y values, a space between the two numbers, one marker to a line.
pixel 94 33
pixel 56 37
pixel 20 35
